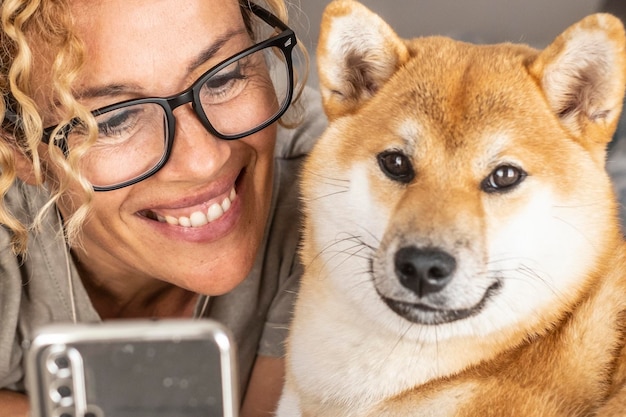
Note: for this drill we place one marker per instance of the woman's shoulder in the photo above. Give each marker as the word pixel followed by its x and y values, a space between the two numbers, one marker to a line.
pixel 18 274
pixel 45 271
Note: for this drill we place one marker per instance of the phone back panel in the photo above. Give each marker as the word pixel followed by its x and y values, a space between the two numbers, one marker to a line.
pixel 133 369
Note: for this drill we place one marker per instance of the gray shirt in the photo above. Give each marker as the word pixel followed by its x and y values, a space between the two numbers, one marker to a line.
pixel 35 290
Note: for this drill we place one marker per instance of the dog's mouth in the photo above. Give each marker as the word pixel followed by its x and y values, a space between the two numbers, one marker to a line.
pixel 423 314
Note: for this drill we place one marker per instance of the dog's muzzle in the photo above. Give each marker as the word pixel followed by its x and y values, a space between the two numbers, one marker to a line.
pixel 427 273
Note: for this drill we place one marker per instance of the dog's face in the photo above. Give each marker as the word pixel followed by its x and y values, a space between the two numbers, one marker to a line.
pixel 460 190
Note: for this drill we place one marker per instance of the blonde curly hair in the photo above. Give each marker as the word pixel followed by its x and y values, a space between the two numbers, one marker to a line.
pixel 25 22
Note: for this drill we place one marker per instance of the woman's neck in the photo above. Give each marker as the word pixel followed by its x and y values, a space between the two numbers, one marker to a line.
pixel 131 297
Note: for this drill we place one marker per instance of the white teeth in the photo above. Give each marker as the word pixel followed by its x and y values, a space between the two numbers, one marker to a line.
pixel 226 204
pixel 214 212
pixel 171 220
pixel 198 218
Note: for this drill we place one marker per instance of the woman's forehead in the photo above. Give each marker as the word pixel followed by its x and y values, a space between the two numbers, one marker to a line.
pixel 150 44
pixel 143 28
pixel 147 45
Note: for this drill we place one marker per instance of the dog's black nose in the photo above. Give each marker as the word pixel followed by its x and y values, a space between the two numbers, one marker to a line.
pixel 424 271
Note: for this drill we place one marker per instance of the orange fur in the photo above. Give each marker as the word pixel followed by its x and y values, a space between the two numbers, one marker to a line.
pixel 530 317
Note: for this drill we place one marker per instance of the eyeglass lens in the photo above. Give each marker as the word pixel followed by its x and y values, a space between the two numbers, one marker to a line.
pixel 133 139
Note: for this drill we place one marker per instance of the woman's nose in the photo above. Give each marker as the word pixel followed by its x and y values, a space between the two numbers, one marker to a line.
pixel 196 154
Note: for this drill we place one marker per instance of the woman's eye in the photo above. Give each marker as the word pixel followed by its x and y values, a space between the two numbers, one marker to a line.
pixel 224 84
pixel 221 81
pixel 117 123
pixel 503 178
pixel 114 127
pixel 397 166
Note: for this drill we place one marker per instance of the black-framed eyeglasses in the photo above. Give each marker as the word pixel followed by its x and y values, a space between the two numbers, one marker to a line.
pixel 236 98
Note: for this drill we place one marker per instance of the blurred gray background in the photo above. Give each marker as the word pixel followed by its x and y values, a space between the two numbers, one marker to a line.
pixel 534 22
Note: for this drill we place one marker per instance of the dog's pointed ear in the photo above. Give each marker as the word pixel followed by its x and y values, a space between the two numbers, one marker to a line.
pixel 583 74
pixel 357 52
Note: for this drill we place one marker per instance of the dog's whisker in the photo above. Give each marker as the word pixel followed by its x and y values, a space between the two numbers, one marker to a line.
pixel 529 277
pixel 372 235
pixel 437 356
pixel 577 229
pixel 327 195
pixel 528 272
pixel 579 206
pixel 399 340
pixel 330 245
pixel 351 251
pixel 325 177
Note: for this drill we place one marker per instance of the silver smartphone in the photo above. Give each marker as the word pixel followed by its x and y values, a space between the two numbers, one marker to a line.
pixel 133 368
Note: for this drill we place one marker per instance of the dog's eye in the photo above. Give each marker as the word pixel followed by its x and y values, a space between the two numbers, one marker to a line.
pixel 503 178
pixel 396 166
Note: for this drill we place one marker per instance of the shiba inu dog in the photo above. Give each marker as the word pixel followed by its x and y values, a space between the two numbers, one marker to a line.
pixel 462 250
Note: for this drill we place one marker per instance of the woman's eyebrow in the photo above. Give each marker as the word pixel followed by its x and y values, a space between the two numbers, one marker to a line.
pixel 112 90
pixel 109 90
pixel 208 53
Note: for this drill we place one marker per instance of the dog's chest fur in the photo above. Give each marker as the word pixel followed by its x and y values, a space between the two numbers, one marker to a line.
pixel 374 374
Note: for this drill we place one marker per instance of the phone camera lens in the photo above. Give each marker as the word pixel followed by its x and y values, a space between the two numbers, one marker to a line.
pixel 64 391
pixel 59 364
pixel 61 393
pixel 62 362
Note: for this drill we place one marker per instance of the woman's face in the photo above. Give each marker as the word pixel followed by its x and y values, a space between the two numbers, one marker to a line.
pixel 147 48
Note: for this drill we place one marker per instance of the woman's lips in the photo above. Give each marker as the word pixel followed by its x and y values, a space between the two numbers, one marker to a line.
pixel 202 216
pixel 197 216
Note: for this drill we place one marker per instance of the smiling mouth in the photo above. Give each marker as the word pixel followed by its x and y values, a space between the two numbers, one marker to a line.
pixel 198 217
pixel 423 314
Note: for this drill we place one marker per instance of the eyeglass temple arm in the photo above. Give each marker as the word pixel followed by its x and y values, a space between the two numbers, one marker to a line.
pixel 267 16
